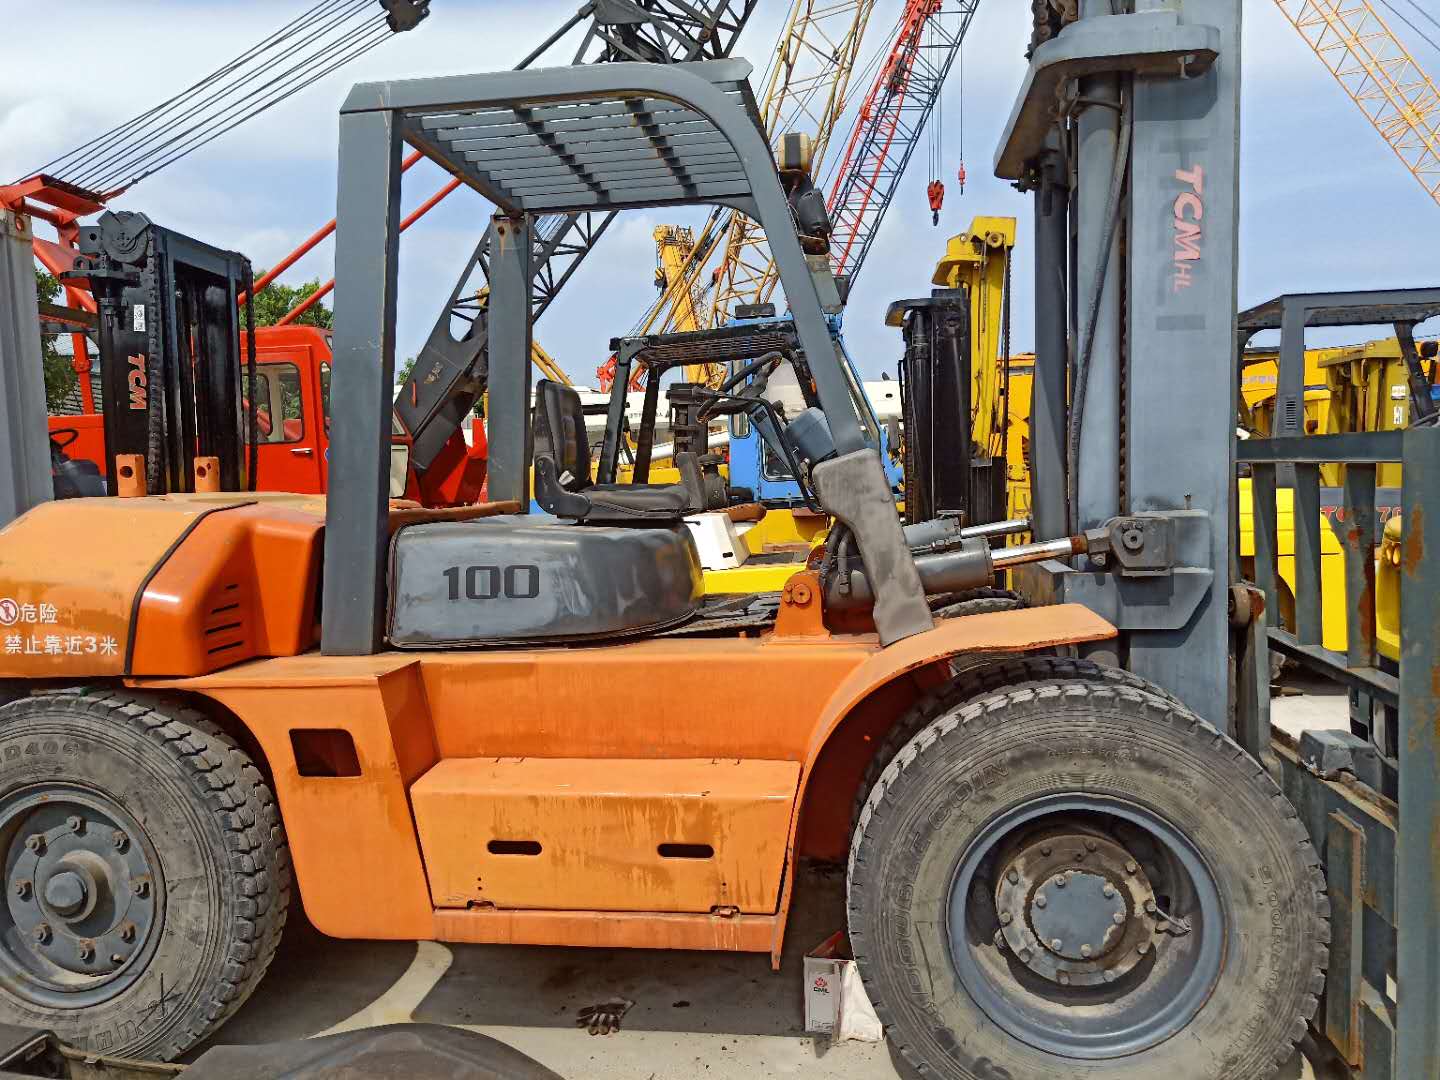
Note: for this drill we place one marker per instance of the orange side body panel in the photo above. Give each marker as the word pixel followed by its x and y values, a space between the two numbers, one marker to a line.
pixel 635 835
pixel 354 839
pixel 69 575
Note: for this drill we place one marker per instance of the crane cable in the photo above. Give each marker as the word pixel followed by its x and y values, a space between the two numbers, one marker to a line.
pixel 322 38
pixel 935 189
pixel 1417 31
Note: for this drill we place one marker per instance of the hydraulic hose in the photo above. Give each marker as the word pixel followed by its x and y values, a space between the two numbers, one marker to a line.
pixel 1092 313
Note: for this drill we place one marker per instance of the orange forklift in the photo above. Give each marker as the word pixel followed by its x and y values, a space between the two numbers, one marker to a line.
pixel 487 725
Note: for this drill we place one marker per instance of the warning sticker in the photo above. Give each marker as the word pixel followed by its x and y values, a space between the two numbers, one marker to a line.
pixel 137 317
pixel 12 613
pixel 60 645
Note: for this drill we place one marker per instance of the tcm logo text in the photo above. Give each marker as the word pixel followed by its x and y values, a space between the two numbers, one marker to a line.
pixel 1189 212
pixel 139 384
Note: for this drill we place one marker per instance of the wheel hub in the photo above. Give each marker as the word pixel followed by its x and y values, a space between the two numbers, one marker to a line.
pixel 66 893
pixel 1074 908
pixel 81 894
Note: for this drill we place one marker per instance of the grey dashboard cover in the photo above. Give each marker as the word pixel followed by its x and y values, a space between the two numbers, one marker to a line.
pixel 506 580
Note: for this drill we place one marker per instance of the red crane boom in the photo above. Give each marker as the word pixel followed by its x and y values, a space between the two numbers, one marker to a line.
pixel 890 123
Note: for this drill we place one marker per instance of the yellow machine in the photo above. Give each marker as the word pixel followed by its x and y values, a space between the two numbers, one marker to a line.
pixel 978 261
pixel 1347 388
pixel 1021 374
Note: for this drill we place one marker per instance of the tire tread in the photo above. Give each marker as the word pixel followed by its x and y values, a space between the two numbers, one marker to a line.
pixel 230 785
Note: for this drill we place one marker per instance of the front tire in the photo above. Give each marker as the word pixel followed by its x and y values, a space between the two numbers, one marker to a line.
pixel 1085 880
pixel 147 873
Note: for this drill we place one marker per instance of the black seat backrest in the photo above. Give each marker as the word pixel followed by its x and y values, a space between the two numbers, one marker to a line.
pixel 560 435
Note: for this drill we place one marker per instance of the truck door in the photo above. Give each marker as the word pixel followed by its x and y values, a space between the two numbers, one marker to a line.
pixel 287 455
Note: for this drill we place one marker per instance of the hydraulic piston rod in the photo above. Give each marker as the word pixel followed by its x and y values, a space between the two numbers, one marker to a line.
pixel 1063 548
pixel 1007 527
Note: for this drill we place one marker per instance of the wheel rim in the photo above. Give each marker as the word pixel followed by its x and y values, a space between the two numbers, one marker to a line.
pixel 84 900
pixel 1085 926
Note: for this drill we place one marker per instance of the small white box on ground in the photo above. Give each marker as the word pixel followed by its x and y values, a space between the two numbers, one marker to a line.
pixel 835 1000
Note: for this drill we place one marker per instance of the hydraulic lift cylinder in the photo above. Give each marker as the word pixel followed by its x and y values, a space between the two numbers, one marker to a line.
pixel 971 565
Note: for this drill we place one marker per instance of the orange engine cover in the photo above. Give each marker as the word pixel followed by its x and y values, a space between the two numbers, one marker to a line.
pixel 169 585
pixel 614 835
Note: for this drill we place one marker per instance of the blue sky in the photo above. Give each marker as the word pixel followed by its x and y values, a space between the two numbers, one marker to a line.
pixel 1324 203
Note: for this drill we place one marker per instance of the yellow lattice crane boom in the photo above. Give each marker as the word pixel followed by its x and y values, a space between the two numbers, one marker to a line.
pixel 1381 77
pixel 806 93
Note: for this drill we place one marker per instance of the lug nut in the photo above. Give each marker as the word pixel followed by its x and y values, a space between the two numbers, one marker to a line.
pixel 1060 881
pixel 23 889
pixel 1150 907
pixel 116 958
pixel 1109 890
pixel 1013 877
pixel 141 887
pixel 120 840
pixel 1091 845
pixel 1040 900
pixel 1006 918
pixel 1119 918
pixel 1064 979
pixel 1085 951
pixel 36 843
pixel 41 934
pixel 87 951
pixel 76 823
pixel 1024 956
pixel 127 932
pixel 1045 849
pixel 1110 976
pixel 1130 867
pixel 1056 944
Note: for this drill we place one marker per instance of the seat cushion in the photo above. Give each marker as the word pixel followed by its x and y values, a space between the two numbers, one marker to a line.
pixel 630 502
pixel 511 579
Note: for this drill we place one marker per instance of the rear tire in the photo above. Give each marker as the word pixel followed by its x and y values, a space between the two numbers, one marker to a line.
pixel 147 873
pixel 991 784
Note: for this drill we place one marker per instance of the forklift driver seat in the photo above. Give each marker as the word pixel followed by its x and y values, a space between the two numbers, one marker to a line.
pixel 562 471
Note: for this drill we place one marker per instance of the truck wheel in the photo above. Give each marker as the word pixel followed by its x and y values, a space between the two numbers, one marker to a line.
pixel 1084 879
pixel 146 872
pixel 982 676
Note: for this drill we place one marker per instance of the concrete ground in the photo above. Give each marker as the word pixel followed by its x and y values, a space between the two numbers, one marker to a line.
pixel 1309 701
pixel 716 1016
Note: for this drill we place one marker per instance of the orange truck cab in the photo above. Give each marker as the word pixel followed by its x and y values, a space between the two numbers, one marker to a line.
pixel 292 447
